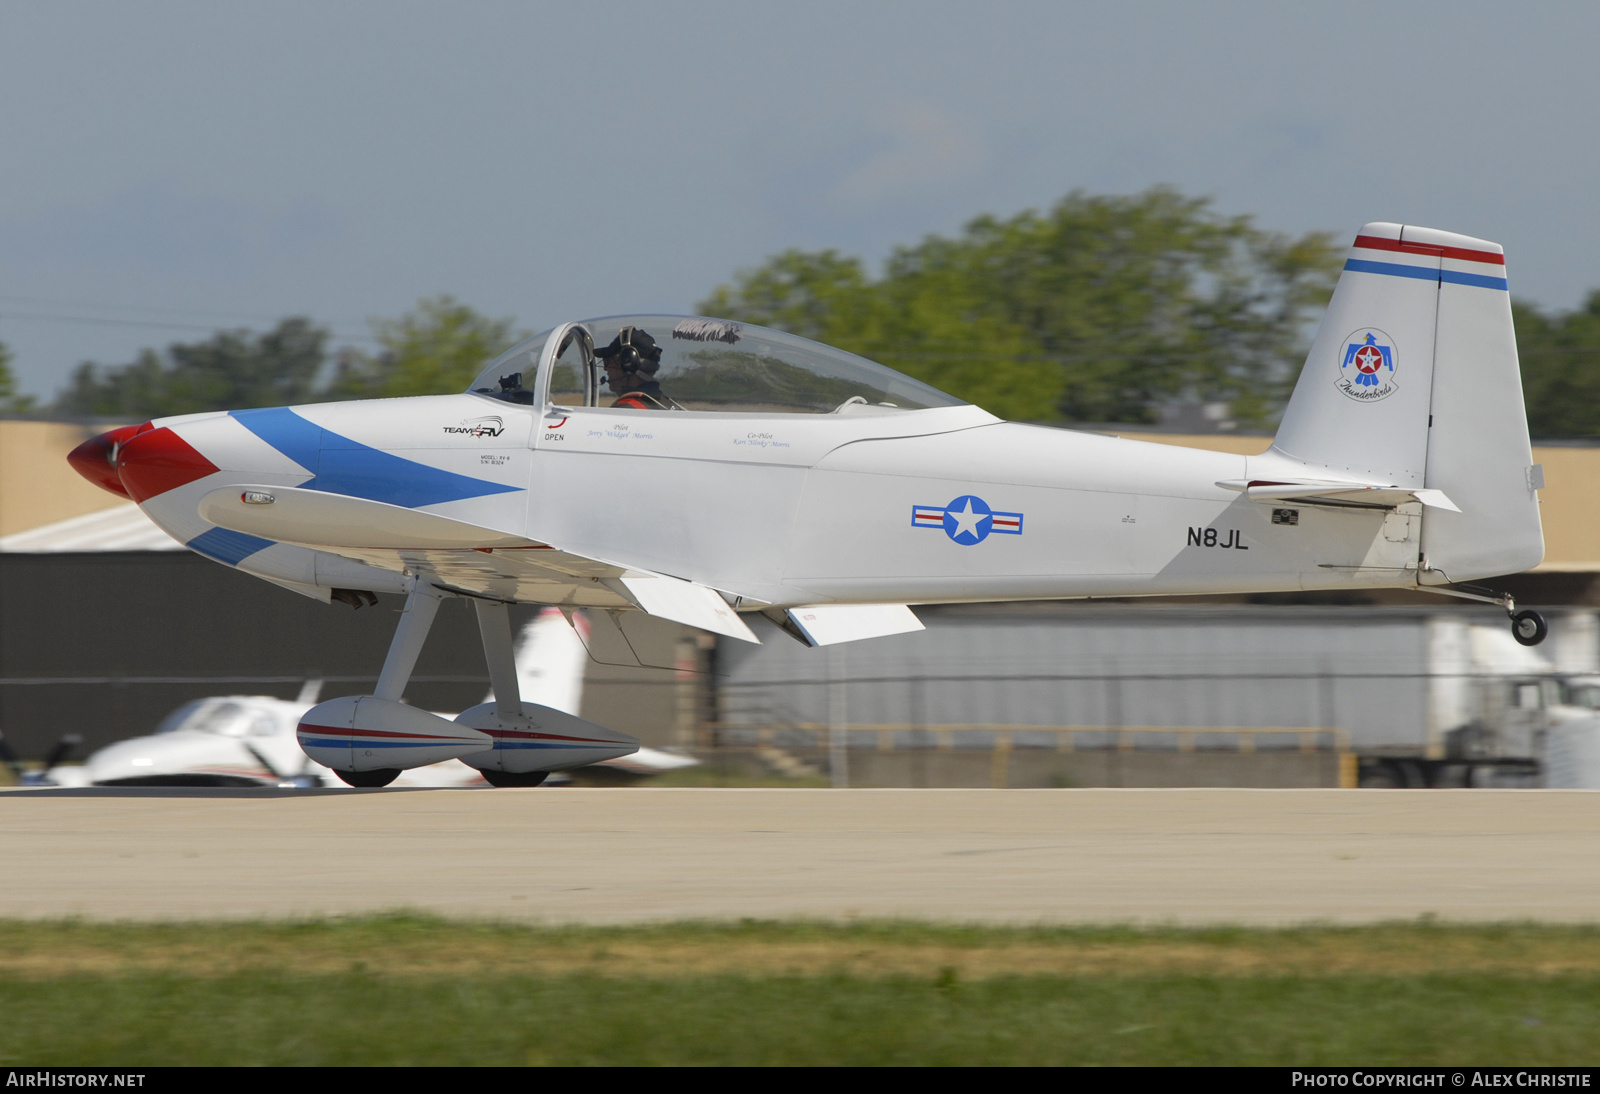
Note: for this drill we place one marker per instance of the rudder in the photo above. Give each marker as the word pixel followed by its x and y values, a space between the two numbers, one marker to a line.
pixel 1413 382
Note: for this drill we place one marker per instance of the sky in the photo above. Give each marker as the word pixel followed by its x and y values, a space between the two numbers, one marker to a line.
pixel 168 169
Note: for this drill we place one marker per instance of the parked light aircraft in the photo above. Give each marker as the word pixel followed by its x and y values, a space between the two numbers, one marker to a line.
pixel 748 470
pixel 249 740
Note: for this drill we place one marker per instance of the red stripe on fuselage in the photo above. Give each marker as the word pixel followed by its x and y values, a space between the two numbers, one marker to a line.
pixel 1374 243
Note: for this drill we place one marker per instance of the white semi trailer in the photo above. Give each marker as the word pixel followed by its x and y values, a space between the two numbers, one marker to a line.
pixel 1420 696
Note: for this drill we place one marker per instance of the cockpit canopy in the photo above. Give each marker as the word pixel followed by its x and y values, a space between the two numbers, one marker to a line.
pixel 222 717
pixel 704 365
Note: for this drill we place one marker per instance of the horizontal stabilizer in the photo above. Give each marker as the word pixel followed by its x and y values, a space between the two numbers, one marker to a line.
pixel 830 624
pixel 1338 493
pixel 686 602
pixel 315 517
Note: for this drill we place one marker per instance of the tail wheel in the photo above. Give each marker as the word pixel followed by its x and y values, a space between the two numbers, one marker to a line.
pixel 381 777
pixel 1529 628
pixel 515 778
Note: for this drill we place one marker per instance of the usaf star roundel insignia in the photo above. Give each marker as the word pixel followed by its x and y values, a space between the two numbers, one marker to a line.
pixel 1367 363
pixel 967 520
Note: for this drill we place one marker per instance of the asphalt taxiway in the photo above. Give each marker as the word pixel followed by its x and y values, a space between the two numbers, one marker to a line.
pixel 630 855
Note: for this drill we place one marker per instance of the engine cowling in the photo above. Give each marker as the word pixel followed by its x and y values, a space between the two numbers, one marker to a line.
pixel 543 739
pixel 365 733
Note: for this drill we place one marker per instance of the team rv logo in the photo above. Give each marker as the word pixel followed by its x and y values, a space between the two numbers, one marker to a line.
pixel 492 426
pixel 1367 366
pixel 968 520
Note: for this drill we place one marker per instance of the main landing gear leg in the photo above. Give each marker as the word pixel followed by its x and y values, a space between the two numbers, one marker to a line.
pixel 421 607
pixel 1527 626
pixel 494 627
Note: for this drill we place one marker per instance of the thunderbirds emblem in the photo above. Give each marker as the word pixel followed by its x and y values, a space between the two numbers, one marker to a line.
pixel 1366 372
pixel 968 520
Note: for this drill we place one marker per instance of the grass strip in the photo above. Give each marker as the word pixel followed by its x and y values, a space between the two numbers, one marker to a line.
pixel 409 989
pixel 353 1018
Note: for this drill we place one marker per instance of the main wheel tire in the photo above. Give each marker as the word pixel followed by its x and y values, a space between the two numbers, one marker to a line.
pixel 1529 628
pixel 515 778
pixel 381 777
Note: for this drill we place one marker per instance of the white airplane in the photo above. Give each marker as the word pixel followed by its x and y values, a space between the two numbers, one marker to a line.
pixel 249 740
pixel 741 470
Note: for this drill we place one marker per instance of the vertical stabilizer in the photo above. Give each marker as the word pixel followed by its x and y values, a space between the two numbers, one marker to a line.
pixel 1413 382
pixel 1360 409
pixel 551 658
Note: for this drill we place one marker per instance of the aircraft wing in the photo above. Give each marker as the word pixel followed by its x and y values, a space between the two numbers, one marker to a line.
pixel 464 557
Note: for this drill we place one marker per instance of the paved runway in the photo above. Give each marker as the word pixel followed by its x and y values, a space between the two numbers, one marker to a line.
pixel 999 856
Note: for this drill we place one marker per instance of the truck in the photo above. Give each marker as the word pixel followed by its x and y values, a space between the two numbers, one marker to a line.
pixel 1407 695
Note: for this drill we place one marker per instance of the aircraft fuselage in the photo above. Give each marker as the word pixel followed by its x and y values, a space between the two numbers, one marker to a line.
pixel 912 506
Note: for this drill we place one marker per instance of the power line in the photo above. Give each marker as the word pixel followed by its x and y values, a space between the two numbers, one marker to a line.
pixel 255 323
pixel 103 321
pixel 56 302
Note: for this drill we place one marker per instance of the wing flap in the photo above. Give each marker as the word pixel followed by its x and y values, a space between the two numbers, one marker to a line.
pixel 686 602
pixel 830 624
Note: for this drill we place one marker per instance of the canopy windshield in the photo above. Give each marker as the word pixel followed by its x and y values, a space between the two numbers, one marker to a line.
pixel 510 376
pixel 693 363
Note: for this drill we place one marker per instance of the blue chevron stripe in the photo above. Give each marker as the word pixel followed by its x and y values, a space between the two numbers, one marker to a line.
pixel 226 545
pixel 340 465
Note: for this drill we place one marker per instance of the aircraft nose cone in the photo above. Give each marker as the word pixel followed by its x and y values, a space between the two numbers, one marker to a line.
pixel 96 458
pixel 154 461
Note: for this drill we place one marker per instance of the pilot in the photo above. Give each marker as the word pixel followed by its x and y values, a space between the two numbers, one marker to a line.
pixel 631 362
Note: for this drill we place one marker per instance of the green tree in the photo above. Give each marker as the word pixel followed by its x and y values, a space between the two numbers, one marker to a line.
pixel 812 295
pixel 231 370
pixel 1560 357
pixel 10 401
pixel 435 349
pixel 1101 309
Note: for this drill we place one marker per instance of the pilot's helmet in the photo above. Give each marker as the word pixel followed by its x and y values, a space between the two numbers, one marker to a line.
pixel 632 350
